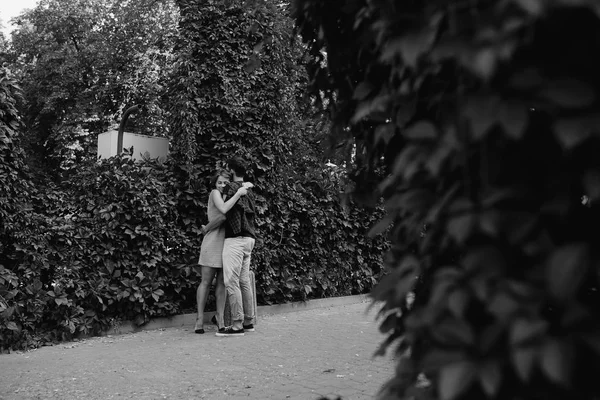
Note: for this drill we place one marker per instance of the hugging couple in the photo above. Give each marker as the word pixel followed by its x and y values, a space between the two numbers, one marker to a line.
pixel 226 250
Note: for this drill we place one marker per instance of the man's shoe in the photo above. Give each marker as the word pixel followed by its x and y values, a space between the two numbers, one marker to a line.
pixel 249 328
pixel 230 332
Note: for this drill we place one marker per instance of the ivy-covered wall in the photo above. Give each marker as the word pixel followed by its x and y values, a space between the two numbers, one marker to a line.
pixel 120 241
pixel 237 90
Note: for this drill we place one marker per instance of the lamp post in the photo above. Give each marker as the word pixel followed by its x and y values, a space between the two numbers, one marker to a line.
pixel 126 114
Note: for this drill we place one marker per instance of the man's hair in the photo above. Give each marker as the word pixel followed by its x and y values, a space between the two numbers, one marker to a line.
pixel 238 166
pixel 215 177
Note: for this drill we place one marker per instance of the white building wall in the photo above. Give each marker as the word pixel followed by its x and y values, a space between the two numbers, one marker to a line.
pixel 152 146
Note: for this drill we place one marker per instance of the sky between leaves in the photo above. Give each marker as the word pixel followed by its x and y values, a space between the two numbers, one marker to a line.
pixel 10 9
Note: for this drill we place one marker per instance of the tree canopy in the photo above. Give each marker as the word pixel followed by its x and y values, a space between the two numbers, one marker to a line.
pixel 82 63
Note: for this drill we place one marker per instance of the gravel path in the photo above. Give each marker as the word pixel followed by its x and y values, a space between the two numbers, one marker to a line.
pixel 298 355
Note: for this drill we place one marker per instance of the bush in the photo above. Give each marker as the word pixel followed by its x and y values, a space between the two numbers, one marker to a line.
pixel 311 246
pixel 113 245
pixel 483 116
pixel 16 222
pixel 120 240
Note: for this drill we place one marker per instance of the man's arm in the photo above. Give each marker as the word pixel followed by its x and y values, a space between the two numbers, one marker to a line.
pixel 215 223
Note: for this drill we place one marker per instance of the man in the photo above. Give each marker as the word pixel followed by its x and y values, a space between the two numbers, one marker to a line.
pixel 240 236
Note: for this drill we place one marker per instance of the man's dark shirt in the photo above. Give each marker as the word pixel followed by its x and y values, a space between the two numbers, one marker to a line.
pixel 240 218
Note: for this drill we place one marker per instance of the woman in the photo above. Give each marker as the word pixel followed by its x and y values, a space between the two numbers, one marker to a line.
pixel 211 250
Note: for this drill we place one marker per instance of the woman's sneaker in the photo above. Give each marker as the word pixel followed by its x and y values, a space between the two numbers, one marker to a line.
pixel 229 331
pixel 249 328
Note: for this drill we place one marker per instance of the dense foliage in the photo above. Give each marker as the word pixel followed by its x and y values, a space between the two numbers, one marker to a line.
pixel 90 243
pixel 477 122
pixel 234 83
pixel 120 241
pixel 237 90
pixel 16 218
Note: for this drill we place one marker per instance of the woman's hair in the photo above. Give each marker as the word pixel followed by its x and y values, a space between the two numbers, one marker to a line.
pixel 221 172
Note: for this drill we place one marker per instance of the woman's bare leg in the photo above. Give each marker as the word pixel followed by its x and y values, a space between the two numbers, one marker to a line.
pixel 208 274
pixel 221 295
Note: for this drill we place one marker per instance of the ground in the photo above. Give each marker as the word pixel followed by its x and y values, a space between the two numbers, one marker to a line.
pixel 297 355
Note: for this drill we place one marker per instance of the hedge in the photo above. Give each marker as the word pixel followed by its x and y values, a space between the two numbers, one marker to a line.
pixel 119 240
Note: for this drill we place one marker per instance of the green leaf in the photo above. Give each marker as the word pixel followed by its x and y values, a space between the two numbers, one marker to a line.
pixel 526 79
pixel 384 133
pixel 420 130
pixel 436 359
pixel 556 361
pixel 484 62
pixel 457 302
pixel 381 226
pixel 574 315
pixel 460 227
pixel 592 340
pixel 409 47
pixel 565 270
pixel 395 286
pixel 481 288
pixel 490 336
pixel 455 379
pixel 440 206
pixel 482 112
pixel 61 300
pixel 488 261
pixel 523 359
pixel 381 350
pixel 253 64
pixel 454 331
pixel 591 182
pixel 405 113
pixel 569 93
pixel 437 159
pixel 413 200
pixel 377 105
pixel 362 90
pixel 513 118
pixel 389 322
pixel 533 7
pixel 440 290
pixel 524 330
pixel 139 320
pixel 571 132
pixel 490 375
pixel 258 47
pixel 12 326
pixel 503 306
